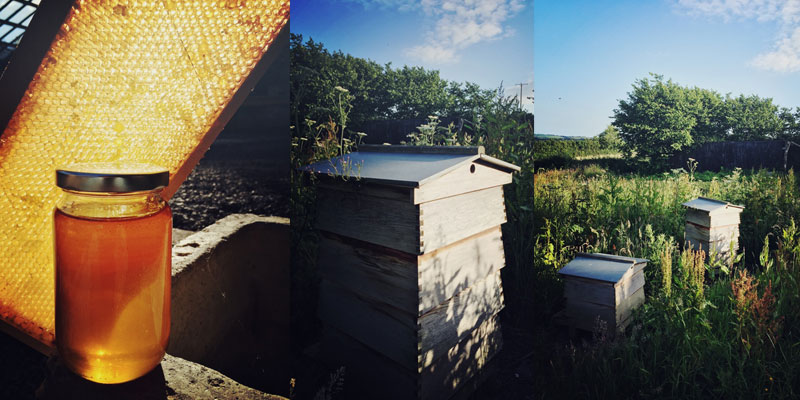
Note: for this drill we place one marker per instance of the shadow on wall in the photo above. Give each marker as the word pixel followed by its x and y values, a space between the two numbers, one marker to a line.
pixel 259 131
pixel 230 300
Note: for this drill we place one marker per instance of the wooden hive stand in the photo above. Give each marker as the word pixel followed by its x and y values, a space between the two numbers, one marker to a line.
pixel 410 258
pixel 713 226
pixel 601 286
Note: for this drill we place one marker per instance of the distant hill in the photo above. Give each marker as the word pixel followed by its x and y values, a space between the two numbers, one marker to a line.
pixel 539 136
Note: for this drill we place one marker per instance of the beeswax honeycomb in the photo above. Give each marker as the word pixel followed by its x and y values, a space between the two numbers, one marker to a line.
pixel 139 81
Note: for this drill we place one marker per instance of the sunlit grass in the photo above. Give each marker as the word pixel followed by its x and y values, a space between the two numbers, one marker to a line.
pixel 702 332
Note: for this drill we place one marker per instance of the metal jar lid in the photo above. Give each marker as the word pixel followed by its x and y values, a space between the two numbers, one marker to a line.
pixel 112 177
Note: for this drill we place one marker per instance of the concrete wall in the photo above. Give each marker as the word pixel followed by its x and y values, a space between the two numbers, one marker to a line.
pixel 230 300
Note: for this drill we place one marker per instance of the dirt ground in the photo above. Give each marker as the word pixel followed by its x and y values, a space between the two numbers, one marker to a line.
pixel 216 189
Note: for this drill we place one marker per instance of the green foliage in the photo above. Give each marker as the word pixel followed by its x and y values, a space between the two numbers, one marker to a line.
pixel 751 118
pixel 610 139
pixel 790 123
pixel 431 134
pixel 312 142
pixel 554 149
pixel 378 91
pixel 701 333
pixel 660 118
pixel 655 121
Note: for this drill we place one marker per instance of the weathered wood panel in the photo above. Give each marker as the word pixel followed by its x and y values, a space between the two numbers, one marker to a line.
pixel 387 330
pixel 444 376
pixel 398 193
pixel 728 232
pixel 720 246
pixel 390 223
pixel 451 219
pixel 377 274
pixel 717 219
pixel 602 292
pixel 582 315
pixel 449 270
pixel 698 217
pixel 446 325
pixel 464 179
pixel 368 374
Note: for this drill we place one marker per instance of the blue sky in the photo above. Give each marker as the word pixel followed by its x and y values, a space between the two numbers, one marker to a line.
pixel 589 53
pixel 486 41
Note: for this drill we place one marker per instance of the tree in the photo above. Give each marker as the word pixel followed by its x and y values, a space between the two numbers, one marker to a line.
pixel 751 118
pixel 655 121
pixel 706 107
pixel 609 138
pixel 378 91
pixel 790 121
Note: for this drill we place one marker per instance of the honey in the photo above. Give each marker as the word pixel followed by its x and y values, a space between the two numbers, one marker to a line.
pixel 143 81
pixel 112 275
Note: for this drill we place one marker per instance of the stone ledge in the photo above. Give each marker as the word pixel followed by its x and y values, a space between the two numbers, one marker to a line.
pixel 230 313
pixel 230 299
pixel 175 378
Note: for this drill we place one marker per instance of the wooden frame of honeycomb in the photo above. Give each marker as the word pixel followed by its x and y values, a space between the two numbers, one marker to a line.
pixel 150 81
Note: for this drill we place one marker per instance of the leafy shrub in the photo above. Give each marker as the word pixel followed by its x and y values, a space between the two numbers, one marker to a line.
pixel 701 333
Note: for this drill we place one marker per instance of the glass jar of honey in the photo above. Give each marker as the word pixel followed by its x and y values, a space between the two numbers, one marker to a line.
pixel 113 234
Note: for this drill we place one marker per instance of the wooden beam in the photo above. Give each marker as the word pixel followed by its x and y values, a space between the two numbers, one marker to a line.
pixel 25 60
pixel 276 49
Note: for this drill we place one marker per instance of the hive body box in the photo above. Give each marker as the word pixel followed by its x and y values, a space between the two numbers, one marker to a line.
pixel 410 258
pixel 602 285
pixel 712 225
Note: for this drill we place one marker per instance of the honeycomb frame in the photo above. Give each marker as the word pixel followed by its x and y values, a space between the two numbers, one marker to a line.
pixel 77 89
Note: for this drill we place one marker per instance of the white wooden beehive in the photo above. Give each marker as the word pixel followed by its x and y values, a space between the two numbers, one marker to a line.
pixel 602 285
pixel 713 226
pixel 410 258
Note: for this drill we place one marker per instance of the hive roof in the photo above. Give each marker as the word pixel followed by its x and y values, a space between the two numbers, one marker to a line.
pixel 600 267
pixel 410 166
pixel 710 205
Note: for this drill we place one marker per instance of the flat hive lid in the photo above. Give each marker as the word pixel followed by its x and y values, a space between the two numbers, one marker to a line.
pixel 600 267
pixel 409 166
pixel 711 205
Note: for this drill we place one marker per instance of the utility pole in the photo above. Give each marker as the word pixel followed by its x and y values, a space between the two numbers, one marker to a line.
pixel 520 93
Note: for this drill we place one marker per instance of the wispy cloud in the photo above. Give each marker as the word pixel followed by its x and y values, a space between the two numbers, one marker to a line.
pixel 402 5
pixel 457 24
pixel 433 53
pixel 785 54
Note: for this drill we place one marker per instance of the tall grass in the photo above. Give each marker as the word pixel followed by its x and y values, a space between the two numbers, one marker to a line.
pixel 707 329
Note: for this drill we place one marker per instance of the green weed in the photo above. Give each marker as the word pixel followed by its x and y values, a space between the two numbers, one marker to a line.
pixel 712 327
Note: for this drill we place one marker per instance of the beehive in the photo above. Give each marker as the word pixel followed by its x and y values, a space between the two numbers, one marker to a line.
pixel 602 285
pixel 410 257
pixel 94 81
pixel 713 226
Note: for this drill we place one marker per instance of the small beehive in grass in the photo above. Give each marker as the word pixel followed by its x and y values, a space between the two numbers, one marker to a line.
pixel 410 256
pixel 713 226
pixel 602 285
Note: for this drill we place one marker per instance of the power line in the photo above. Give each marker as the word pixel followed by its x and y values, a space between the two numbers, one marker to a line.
pixel 520 93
